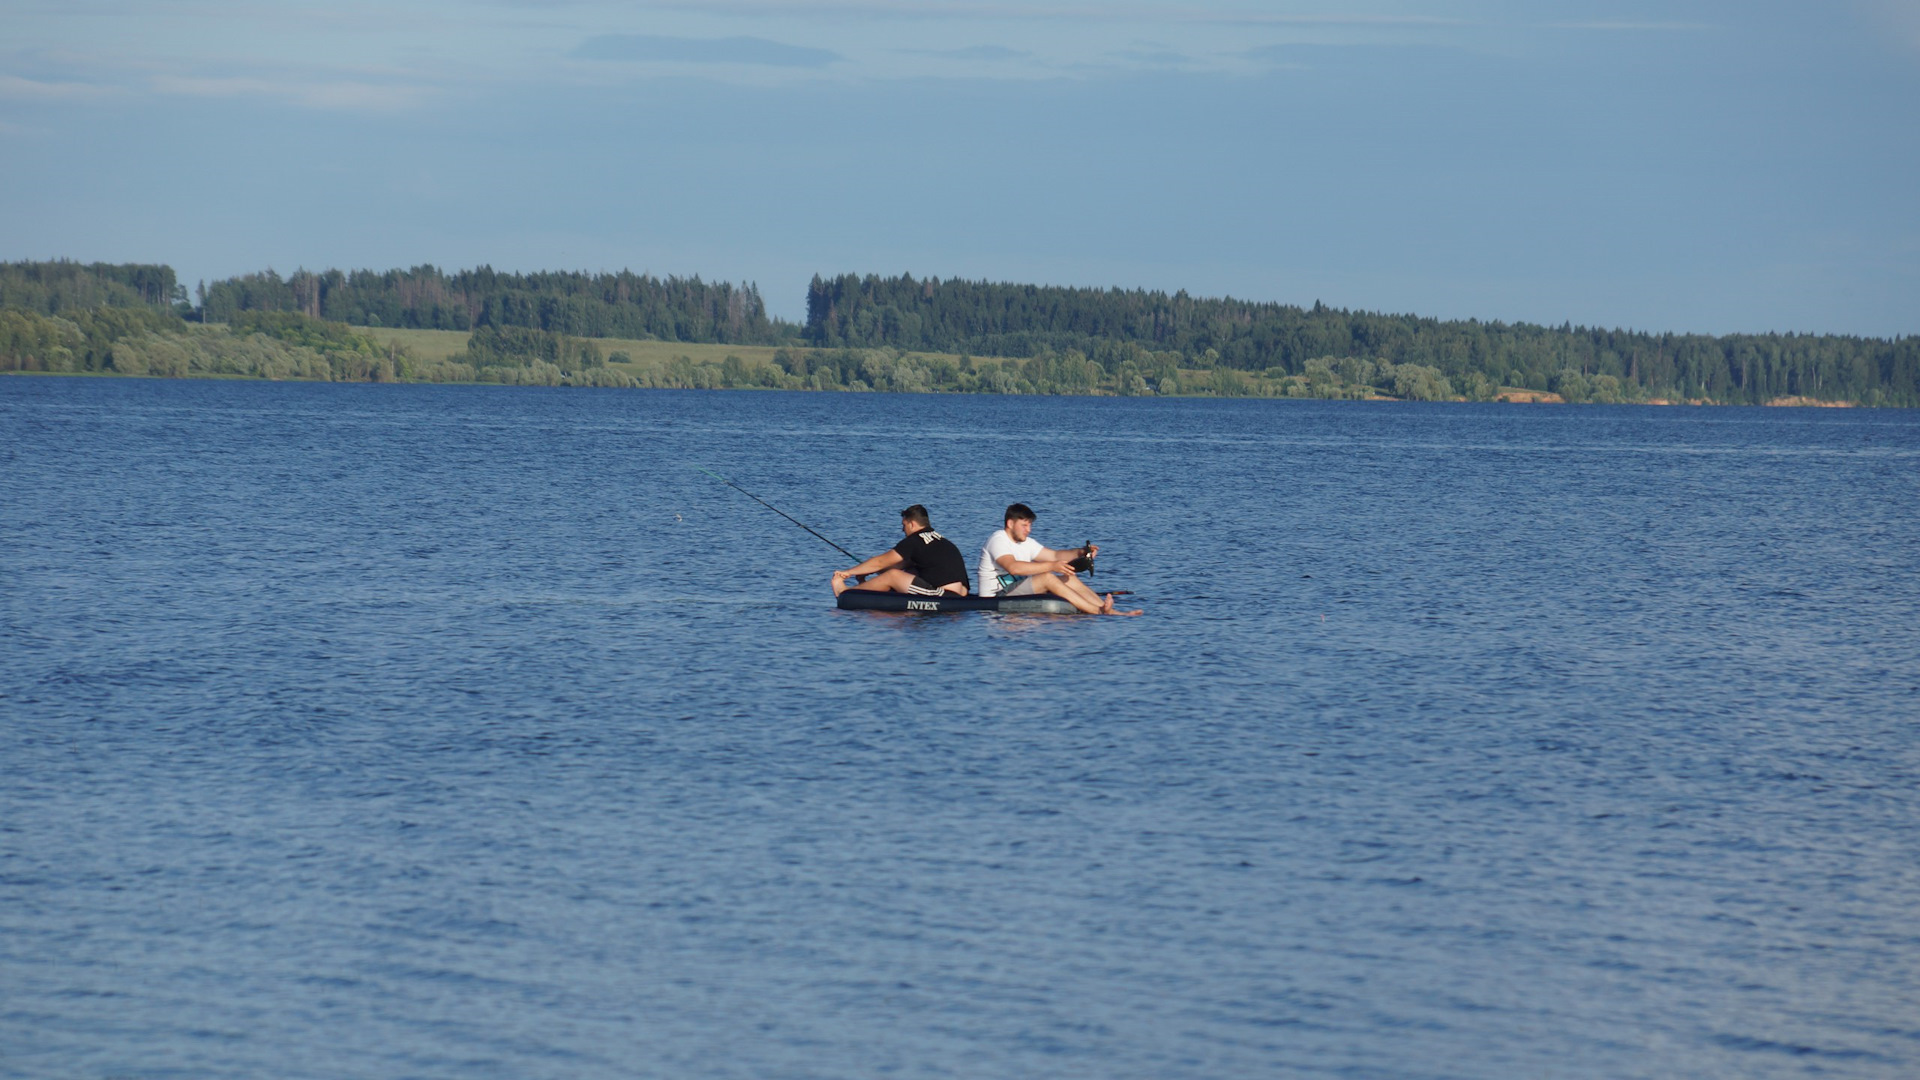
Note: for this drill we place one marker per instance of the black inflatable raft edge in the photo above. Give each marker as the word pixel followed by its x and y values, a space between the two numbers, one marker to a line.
pixel 860 600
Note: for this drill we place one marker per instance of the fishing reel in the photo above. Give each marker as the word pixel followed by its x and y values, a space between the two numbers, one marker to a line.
pixel 1083 564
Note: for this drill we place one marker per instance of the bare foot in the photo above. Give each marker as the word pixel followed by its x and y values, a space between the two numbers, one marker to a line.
pixel 839 584
pixel 1108 609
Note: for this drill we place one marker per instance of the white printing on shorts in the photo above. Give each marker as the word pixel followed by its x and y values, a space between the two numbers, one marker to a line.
pixel 1001 544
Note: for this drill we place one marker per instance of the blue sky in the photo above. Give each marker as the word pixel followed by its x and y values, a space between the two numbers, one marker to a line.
pixel 1689 165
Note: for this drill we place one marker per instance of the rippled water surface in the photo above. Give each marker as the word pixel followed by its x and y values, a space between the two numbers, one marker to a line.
pixel 354 731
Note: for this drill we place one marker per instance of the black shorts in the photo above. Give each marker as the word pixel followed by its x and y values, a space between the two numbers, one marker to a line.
pixel 922 587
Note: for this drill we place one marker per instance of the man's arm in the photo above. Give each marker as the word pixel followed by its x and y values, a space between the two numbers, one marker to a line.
pixel 886 560
pixel 1049 563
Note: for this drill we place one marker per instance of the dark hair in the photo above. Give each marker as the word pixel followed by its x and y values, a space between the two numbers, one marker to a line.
pixel 1019 512
pixel 916 514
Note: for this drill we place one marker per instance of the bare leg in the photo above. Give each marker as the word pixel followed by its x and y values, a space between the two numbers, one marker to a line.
pixel 895 580
pixel 1102 605
pixel 1072 581
pixel 1052 585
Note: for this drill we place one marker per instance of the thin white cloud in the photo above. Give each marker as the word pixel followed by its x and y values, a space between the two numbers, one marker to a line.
pixel 387 55
pixel 1631 26
pixel 1356 20
pixel 1899 18
pixel 16 88
pixel 1294 55
pixel 956 9
pixel 987 53
pixel 342 95
pixel 686 50
pixel 1154 57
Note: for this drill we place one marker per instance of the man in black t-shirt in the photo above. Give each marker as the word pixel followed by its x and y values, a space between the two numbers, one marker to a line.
pixel 923 563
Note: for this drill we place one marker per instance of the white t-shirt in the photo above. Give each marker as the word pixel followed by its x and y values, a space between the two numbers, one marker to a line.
pixel 1000 544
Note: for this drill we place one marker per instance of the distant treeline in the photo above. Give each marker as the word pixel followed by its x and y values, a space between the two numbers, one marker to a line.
pixel 130 320
pixel 1071 372
pixel 50 288
pixel 889 335
pixel 146 341
pixel 1110 325
pixel 896 371
pixel 625 304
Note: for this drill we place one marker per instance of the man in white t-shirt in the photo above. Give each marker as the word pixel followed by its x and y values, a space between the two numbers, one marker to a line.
pixel 1013 563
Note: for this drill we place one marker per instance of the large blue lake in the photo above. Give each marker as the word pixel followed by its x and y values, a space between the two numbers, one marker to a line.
pixel 377 731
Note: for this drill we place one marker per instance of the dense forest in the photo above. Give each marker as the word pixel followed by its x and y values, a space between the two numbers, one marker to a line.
pixel 625 305
pixel 1114 328
pixel 889 334
pixel 127 320
pixel 133 320
pixel 50 288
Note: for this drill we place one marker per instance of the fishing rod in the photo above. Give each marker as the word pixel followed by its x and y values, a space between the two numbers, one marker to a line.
pixel 1084 567
pixel 779 511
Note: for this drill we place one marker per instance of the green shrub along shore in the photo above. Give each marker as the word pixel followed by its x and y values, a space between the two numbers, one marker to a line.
pixel 889 335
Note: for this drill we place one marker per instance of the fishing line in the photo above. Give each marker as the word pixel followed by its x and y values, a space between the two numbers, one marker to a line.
pixel 779 511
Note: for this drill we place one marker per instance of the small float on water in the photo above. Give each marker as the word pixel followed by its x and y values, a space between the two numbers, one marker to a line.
pixel 862 600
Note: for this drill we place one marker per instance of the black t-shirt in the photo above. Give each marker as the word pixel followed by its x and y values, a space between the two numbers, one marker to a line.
pixel 933 559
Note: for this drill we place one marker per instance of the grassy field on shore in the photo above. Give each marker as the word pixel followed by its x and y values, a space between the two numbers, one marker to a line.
pixel 652 356
pixel 208 351
pixel 441 344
